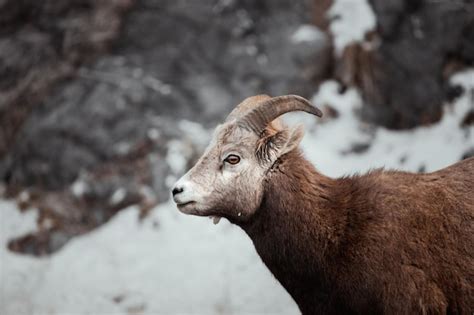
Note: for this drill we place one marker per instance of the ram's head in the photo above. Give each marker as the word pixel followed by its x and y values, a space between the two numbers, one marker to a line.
pixel 227 181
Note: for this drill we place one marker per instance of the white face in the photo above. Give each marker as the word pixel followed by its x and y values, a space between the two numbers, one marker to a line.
pixel 227 181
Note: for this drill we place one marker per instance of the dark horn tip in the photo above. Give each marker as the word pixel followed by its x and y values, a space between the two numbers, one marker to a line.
pixel 317 112
pixel 314 110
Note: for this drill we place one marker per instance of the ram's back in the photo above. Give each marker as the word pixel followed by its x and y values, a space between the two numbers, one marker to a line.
pixel 458 180
pixel 420 229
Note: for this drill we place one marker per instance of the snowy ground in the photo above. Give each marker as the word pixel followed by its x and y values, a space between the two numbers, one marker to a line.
pixel 168 264
pixel 175 264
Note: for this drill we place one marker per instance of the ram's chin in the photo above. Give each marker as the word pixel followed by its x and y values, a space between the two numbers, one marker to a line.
pixel 192 208
pixel 188 208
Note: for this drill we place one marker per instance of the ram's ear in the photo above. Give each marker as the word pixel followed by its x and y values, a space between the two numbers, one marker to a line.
pixel 275 145
pixel 294 138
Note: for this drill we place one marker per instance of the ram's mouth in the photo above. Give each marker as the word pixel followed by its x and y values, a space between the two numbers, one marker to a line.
pixel 191 208
pixel 184 204
pixel 187 207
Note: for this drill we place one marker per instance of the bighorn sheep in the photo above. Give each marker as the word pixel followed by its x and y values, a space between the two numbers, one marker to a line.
pixel 385 242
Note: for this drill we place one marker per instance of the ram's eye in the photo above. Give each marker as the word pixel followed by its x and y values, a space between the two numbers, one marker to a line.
pixel 232 159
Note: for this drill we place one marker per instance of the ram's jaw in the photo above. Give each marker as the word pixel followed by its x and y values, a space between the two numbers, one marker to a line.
pixel 192 208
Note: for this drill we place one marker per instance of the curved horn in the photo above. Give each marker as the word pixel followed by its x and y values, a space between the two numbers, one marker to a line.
pixel 246 105
pixel 257 119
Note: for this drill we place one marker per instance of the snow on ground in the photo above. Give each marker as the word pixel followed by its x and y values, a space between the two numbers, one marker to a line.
pixel 176 264
pixel 168 264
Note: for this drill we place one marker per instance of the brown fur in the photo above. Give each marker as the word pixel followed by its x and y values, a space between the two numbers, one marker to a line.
pixel 385 242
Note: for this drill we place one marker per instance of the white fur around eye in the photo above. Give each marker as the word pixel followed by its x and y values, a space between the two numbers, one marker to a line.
pixel 227 175
pixel 229 171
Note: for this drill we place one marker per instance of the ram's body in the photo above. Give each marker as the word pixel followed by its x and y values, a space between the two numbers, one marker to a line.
pixel 386 242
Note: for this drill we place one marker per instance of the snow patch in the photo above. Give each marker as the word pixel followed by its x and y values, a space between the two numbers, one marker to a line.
pixel 79 188
pixel 176 157
pixel 350 21
pixel 153 133
pixel 307 33
pixel 195 132
pixel 16 223
pixel 170 180
pixel 24 196
pixel 118 196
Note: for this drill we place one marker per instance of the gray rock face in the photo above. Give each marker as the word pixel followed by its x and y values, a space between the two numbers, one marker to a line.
pixel 404 80
pixel 41 42
pixel 101 140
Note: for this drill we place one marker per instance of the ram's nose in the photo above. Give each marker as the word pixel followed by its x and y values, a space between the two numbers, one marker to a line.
pixel 178 193
pixel 177 190
pixel 182 191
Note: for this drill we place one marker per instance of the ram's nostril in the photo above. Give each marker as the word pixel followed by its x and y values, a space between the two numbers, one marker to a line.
pixel 177 190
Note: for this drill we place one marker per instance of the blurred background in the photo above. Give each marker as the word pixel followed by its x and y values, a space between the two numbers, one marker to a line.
pixel 105 103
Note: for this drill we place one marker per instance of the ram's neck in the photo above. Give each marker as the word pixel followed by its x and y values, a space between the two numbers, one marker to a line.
pixel 298 226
